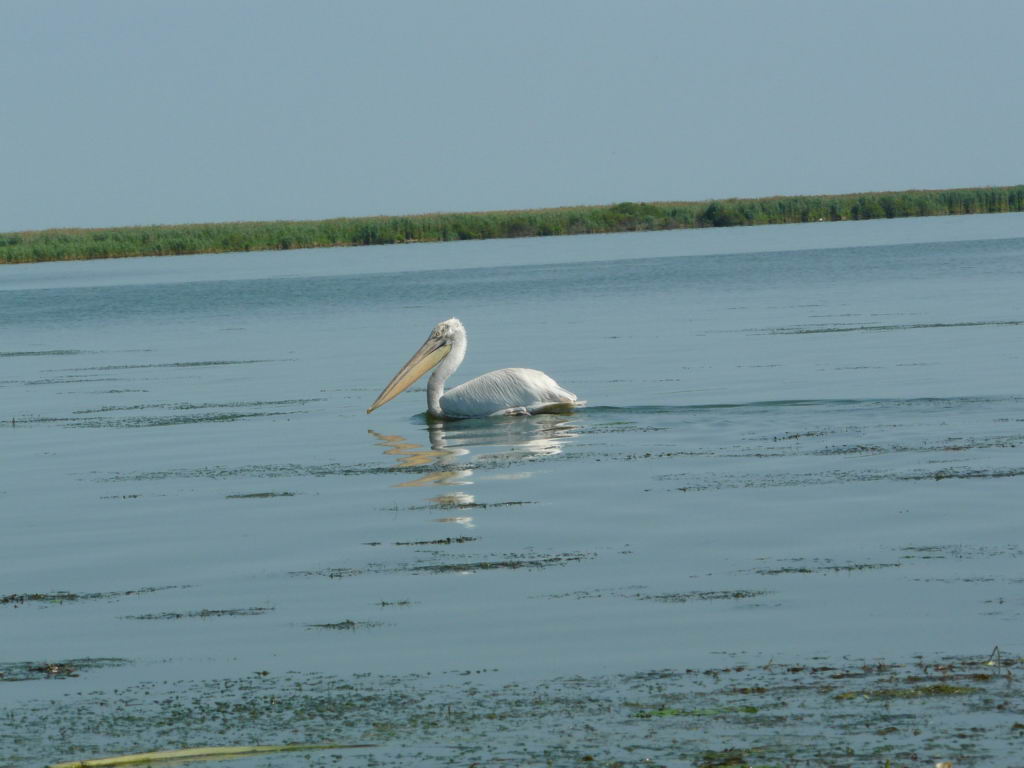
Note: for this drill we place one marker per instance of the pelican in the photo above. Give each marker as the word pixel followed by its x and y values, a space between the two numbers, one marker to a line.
pixel 506 392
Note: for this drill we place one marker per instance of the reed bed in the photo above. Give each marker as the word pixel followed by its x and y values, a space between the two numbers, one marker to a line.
pixel 72 244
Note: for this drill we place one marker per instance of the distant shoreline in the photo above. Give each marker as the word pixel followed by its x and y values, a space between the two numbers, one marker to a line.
pixel 178 239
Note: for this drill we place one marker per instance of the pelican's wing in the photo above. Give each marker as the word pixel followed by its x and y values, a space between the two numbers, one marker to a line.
pixel 508 391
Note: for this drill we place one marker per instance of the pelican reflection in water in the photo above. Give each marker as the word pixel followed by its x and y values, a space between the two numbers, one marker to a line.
pixel 505 392
pixel 444 462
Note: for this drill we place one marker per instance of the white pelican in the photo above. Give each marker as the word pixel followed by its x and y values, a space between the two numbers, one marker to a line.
pixel 506 392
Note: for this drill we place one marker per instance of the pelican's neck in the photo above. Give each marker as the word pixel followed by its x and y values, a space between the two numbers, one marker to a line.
pixel 435 387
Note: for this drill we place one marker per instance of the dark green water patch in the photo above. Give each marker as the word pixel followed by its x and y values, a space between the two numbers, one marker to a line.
pixel 42 353
pixel 663 455
pixel 801 435
pixel 910 692
pixel 432 542
pixel 898 327
pixel 455 503
pixel 968 473
pixel 959 551
pixel 331 469
pixel 347 624
pixel 331 573
pixel 950 444
pixel 205 613
pixel 674 712
pixel 815 566
pixel 274 471
pixel 842 715
pixel 450 563
pixel 813 444
pixel 68 380
pixel 214 412
pixel 198 364
pixel 731 758
pixel 263 495
pixel 639 592
pixel 132 422
pixel 686 597
pixel 509 562
pixel 198 406
pixel 633 591
pixel 622 427
pixel 60 597
pixel 709 482
pixel 13 672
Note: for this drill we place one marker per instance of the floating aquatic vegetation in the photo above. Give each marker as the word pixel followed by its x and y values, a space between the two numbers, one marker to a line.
pixel 514 561
pixel 131 422
pixel 263 471
pixel 161 420
pixel 463 501
pixel 950 444
pixel 961 551
pixel 347 624
pixel 717 482
pixel 69 380
pixel 913 692
pixel 198 406
pixel 445 541
pixel 11 672
pixel 727 594
pixel 773 714
pixel 261 495
pixel 198 753
pixel 198 364
pixel 815 567
pixel 641 593
pixel 331 573
pixel 899 327
pixel 673 712
pixel 42 353
pixel 57 598
pixel 205 613
pixel 509 562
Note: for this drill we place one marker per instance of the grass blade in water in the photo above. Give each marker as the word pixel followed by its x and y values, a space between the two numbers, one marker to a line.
pixel 197 753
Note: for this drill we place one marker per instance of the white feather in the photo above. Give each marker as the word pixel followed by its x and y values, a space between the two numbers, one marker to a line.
pixel 505 392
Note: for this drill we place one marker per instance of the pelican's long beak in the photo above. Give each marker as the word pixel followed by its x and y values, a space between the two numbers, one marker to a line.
pixel 430 354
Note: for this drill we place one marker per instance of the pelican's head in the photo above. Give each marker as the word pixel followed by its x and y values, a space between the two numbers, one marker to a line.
pixel 438 344
pixel 448 329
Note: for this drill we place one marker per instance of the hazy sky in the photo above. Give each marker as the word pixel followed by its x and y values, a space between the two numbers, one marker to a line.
pixel 150 111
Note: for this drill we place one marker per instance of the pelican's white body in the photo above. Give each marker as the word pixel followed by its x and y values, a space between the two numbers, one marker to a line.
pixel 503 392
pixel 499 393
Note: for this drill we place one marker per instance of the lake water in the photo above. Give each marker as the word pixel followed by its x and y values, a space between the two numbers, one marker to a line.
pixel 801 442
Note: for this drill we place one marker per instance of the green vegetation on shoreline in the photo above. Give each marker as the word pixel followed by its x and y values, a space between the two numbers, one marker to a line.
pixel 71 244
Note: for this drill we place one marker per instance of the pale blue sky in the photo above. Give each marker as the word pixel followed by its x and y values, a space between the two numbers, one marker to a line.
pixel 145 111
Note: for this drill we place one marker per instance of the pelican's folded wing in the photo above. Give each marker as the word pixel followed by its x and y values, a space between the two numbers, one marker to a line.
pixel 505 392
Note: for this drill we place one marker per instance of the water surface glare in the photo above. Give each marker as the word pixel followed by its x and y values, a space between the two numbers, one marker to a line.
pixel 808 451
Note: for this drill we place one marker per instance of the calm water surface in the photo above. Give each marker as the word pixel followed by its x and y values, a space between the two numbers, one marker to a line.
pixel 801 442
